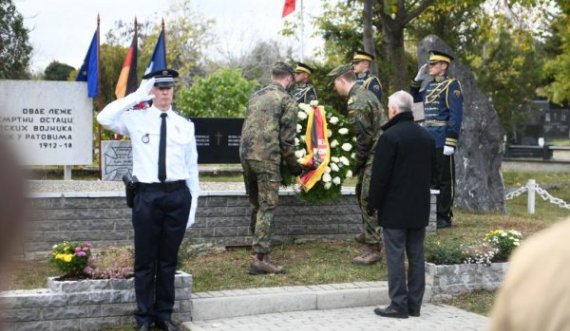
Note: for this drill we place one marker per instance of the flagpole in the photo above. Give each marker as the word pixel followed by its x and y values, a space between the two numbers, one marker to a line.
pixel 98 97
pixel 164 38
pixel 302 33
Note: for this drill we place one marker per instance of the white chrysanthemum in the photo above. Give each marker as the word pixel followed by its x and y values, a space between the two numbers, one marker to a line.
pixel 329 133
pixel 333 120
pixel 305 107
pixel 353 156
pixel 343 131
pixel 314 103
pixel 334 167
pixel 334 143
pixel 299 128
pixel 344 161
pixel 349 174
pixel 327 178
pixel 296 141
pixel 302 138
pixel 346 147
pixel 327 170
pixel 336 180
pixel 354 139
pixel 335 159
pixel 328 186
pixel 302 115
pixel 300 153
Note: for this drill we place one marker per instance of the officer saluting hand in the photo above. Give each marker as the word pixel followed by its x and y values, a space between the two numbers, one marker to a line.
pixel 165 162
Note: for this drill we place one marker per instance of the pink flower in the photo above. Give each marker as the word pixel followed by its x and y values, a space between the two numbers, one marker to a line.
pixel 80 253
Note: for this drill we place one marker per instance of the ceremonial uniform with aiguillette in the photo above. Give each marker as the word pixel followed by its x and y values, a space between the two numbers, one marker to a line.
pixel 366 78
pixel 443 111
pixel 304 91
pixel 165 165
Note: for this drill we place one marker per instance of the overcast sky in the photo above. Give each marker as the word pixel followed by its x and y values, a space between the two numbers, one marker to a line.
pixel 62 29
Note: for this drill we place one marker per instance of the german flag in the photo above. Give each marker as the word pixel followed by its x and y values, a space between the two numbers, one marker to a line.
pixel 127 82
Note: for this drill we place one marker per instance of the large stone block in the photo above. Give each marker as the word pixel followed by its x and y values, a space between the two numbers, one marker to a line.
pixel 479 155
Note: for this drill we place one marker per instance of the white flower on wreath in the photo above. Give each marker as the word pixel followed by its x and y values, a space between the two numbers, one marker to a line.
pixel 314 103
pixel 327 170
pixel 335 159
pixel 303 138
pixel 334 143
pixel 302 115
pixel 327 178
pixel 305 107
pixel 348 174
pixel 343 131
pixel 346 147
pixel 336 180
pixel 299 128
pixel 300 153
pixel 354 139
pixel 334 167
pixel 329 133
pixel 328 186
pixel 296 141
pixel 344 161
pixel 333 120
pixel 353 156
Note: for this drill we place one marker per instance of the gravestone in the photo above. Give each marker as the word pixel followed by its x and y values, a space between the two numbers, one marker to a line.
pixel 479 152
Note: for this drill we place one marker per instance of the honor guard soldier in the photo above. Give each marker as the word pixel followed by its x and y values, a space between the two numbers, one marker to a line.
pixel 443 111
pixel 361 62
pixel 366 115
pixel 165 163
pixel 304 91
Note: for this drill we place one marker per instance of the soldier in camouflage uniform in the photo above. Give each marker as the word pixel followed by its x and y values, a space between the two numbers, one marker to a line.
pixel 304 91
pixel 267 137
pixel 366 114
pixel 361 62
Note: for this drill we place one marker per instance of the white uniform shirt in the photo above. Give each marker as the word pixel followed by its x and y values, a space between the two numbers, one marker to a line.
pixel 143 127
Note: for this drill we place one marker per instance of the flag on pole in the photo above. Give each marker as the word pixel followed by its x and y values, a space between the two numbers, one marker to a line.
pixel 127 82
pixel 89 71
pixel 288 8
pixel 158 59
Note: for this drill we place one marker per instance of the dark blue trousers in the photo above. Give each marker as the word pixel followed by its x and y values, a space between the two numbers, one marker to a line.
pixel 405 295
pixel 159 220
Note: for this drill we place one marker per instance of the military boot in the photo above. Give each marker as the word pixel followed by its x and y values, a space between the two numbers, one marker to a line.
pixel 371 255
pixel 263 265
pixel 360 238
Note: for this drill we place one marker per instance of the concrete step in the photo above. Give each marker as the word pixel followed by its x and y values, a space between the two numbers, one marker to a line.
pixel 235 303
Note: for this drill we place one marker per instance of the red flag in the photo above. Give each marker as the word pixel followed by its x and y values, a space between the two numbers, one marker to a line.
pixel 288 8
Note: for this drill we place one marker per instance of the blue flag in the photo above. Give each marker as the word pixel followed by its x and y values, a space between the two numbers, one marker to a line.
pixel 89 71
pixel 158 59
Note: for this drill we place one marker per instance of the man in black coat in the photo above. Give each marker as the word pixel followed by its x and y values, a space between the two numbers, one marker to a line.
pixel 402 172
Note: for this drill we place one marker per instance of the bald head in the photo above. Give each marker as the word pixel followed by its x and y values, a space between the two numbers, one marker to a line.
pixel 399 102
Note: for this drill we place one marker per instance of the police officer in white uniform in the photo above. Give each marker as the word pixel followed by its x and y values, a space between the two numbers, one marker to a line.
pixel 165 164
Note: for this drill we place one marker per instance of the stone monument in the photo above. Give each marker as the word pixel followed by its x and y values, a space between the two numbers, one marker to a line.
pixel 479 182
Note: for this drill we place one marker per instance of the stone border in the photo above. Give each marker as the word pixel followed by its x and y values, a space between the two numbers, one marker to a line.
pixel 85 305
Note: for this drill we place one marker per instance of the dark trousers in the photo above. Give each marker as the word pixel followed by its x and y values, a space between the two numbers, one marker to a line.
pixel 405 296
pixel 445 182
pixel 159 221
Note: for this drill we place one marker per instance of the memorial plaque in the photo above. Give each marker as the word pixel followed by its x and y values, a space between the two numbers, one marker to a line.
pixel 48 122
pixel 217 139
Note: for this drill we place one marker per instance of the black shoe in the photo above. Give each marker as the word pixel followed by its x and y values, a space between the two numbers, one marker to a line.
pixel 166 325
pixel 143 327
pixel 442 224
pixel 414 313
pixel 390 312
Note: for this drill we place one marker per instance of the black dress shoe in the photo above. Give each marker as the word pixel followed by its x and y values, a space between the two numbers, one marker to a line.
pixel 442 224
pixel 390 312
pixel 414 313
pixel 166 325
pixel 143 327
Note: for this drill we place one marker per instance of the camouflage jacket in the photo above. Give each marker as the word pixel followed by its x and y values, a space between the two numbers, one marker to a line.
pixel 270 126
pixel 366 115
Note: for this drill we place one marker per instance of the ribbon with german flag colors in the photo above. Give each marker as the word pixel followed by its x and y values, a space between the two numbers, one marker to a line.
pixel 318 148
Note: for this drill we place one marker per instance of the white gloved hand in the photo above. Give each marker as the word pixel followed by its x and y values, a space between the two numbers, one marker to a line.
pixel 142 94
pixel 448 150
pixel 422 73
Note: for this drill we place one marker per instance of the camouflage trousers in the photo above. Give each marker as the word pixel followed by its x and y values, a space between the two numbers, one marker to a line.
pixel 262 180
pixel 372 231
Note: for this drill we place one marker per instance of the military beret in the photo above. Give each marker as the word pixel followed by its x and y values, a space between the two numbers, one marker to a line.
pixel 301 67
pixel 282 67
pixel 437 56
pixel 340 70
pixel 362 56
pixel 163 78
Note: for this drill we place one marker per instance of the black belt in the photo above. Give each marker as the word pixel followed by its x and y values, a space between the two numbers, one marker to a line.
pixel 166 186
